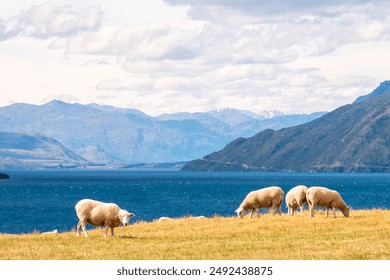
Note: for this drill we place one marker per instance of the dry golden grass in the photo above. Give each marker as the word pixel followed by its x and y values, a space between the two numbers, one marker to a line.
pixel 365 235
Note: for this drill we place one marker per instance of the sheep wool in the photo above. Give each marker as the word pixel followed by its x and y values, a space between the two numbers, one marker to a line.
pixel 270 197
pixel 324 197
pixel 296 197
pixel 99 213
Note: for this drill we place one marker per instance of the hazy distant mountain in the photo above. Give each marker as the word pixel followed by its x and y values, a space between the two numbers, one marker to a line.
pixel 35 151
pixel 108 135
pixel 352 138
pixel 233 123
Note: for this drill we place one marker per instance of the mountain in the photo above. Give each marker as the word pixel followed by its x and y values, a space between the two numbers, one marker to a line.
pixel 352 138
pixel 109 135
pixel 233 123
pixel 381 89
pixel 35 151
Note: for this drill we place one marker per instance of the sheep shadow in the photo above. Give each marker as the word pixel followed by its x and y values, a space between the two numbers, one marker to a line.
pixel 128 237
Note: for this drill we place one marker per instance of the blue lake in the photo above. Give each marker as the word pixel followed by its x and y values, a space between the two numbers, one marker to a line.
pixel 44 200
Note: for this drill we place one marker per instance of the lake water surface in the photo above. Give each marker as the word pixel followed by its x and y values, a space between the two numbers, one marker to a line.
pixel 44 200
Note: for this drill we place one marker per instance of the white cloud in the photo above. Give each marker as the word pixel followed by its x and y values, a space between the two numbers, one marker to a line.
pixel 269 7
pixel 48 20
pixel 199 55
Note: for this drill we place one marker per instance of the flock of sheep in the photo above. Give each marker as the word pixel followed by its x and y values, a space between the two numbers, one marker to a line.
pixel 272 197
pixel 109 215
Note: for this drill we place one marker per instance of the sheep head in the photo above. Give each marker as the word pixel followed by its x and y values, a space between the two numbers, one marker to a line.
pixel 346 211
pixel 125 216
pixel 240 212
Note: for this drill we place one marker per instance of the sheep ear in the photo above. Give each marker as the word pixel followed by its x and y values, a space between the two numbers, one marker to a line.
pixel 131 214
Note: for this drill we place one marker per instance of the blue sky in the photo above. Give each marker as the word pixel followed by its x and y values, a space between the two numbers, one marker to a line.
pixel 177 55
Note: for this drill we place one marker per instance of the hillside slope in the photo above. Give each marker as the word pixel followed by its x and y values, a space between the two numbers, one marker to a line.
pixel 35 151
pixel 352 138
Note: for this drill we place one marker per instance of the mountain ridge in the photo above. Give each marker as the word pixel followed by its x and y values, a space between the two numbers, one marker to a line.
pixel 19 150
pixel 352 138
pixel 111 136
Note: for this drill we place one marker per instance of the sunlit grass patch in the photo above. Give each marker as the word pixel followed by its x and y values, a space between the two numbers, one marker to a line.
pixel 364 235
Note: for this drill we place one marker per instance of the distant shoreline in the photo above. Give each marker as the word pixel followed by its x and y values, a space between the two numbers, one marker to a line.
pixel 4 175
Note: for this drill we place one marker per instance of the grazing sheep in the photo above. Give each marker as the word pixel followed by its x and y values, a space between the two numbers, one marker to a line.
pixel 100 214
pixel 161 219
pixel 295 198
pixel 51 232
pixel 320 196
pixel 263 198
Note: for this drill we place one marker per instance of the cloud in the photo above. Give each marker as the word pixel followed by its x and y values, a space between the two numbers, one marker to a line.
pixel 285 29
pixel 276 38
pixel 2 29
pixel 267 7
pixel 256 55
pixel 153 41
pixel 245 62
pixel 48 20
pixel 279 37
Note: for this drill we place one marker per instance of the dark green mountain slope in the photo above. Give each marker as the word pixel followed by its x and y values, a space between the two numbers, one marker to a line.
pixel 353 138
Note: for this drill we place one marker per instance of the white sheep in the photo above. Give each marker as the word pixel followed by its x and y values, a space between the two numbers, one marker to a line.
pixel 161 219
pixel 51 232
pixel 320 196
pixel 296 197
pixel 99 213
pixel 270 197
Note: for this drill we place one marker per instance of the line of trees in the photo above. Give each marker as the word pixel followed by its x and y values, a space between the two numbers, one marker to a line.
pixel 4 175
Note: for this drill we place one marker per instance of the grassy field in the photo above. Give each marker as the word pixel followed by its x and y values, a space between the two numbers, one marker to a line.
pixel 365 235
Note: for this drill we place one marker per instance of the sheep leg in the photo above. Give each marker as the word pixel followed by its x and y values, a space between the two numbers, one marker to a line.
pixel 250 216
pixel 82 225
pixel 334 211
pixel 258 213
pixel 105 230
pixel 311 210
pixel 326 212
pixel 280 209
pixel 78 229
pixel 85 231
pixel 112 231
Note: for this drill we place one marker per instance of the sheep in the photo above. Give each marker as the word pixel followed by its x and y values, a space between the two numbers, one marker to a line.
pixel 51 232
pixel 320 196
pixel 161 219
pixel 100 214
pixel 295 198
pixel 263 198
